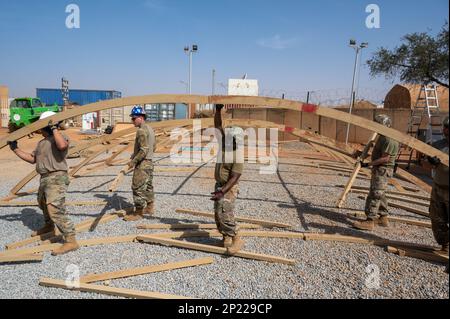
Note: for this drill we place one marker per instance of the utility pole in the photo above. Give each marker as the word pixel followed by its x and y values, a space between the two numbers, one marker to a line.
pixel 358 49
pixel 189 51
pixel 213 82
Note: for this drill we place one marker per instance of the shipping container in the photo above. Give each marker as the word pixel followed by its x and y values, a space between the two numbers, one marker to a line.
pixel 81 97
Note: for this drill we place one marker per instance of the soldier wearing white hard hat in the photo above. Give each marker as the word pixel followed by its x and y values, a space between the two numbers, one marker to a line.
pixel 50 159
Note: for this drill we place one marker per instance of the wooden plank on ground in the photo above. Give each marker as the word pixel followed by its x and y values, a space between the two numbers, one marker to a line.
pixel 407 194
pixel 406 208
pixel 90 278
pixel 264 223
pixel 34 204
pixel 396 197
pixel 213 249
pixel 242 233
pixel 82 243
pixel 112 291
pixel 427 256
pixel 396 219
pixel 49 237
pixel 191 226
pixel 22 258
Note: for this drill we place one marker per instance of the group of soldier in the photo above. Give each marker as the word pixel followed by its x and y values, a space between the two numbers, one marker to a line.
pixel 50 159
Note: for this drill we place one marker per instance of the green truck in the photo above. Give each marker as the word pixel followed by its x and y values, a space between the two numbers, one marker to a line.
pixel 25 111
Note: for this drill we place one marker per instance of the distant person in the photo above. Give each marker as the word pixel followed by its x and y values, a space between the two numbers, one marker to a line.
pixel 50 159
pixel 227 176
pixel 382 163
pixel 439 208
pixel 142 162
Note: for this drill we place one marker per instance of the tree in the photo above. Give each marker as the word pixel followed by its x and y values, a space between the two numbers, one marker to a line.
pixel 420 59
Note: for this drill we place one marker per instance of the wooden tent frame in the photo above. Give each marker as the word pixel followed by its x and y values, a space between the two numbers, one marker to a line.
pixel 254 102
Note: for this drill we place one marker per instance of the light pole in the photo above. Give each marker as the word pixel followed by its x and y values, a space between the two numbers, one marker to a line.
pixel 358 49
pixel 189 51
pixel 213 82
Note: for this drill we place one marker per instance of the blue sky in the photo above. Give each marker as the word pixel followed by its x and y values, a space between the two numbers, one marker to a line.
pixel 136 46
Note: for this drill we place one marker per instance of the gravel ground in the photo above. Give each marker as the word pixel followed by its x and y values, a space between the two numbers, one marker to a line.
pixel 301 196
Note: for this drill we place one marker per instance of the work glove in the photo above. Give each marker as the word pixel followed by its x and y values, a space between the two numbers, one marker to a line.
pixel 13 145
pixel 364 165
pixel 130 165
pixel 357 154
pixel 52 125
pixel 435 161
pixel 217 195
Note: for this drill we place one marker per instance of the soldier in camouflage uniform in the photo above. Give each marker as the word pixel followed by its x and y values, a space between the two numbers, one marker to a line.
pixel 439 208
pixel 227 174
pixel 384 155
pixel 142 161
pixel 50 159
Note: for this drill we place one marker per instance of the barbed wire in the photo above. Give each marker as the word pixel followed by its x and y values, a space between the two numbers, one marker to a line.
pixel 325 97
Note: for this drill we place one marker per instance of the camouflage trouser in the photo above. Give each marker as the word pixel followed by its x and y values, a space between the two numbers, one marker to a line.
pixel 439 213
pixel 52 192
pixel 142 185
pixel 224 212
pixel 377 203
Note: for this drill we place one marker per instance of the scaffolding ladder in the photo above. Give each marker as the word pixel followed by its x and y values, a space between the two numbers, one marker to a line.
pixel 426 108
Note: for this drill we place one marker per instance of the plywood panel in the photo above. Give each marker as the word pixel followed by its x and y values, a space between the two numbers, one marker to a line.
pixel 310 122
pixel 276 116
pixel 328 127
pixel 292 119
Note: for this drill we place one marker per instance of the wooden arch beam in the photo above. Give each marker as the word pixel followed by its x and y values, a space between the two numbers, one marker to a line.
pixel 256 102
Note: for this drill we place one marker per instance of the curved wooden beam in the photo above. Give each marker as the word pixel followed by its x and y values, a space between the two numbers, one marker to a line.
pixel 256 102
pixel 74 150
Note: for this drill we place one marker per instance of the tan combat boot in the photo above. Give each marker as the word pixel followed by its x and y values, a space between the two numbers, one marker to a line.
pixel 150 209
pixel 227 241
pixel 69 245
pixel 365 225
pixel 48 228
pixel 383 221
pixel 138 214
pixel 236 246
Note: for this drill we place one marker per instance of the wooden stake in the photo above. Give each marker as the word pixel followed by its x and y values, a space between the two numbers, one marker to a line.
pixel 355 173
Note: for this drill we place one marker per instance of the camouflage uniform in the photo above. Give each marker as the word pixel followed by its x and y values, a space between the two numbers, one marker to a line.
pixel 224 208
pixel 377 203
pixel 439 208
pixel 142 184
pixel 52 166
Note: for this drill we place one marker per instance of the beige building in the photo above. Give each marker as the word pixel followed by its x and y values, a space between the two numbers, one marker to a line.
pixel 4 106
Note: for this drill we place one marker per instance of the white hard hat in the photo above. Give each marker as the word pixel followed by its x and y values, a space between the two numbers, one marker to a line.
pixel 46 114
